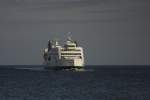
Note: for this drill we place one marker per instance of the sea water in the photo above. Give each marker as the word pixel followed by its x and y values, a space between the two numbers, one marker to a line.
pixel 95 83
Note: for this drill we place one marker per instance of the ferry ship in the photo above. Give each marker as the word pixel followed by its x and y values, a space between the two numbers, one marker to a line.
pixel 68 56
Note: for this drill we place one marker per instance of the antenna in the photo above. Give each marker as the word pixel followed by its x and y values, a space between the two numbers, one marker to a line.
pixel 69 36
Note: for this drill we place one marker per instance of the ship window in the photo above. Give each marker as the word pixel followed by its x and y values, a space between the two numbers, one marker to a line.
pixel 71 46
pixel 49 58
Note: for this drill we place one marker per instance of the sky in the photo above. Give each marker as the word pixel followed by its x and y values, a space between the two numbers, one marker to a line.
pixel 112 32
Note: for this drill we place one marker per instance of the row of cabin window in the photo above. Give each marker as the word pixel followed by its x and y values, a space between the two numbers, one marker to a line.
pixel 69 46
pixel 66 53
pixel 73 56
pixel 70 53
pixel 49 58
pixel 70 50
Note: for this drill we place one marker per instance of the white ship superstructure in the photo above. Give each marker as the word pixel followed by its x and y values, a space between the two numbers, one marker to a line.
pixel 68 55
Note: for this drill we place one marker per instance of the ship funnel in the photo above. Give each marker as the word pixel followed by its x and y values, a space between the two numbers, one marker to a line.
pixel 56 43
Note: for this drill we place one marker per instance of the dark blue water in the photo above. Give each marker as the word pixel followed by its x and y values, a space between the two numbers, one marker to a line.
pixel 96 83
